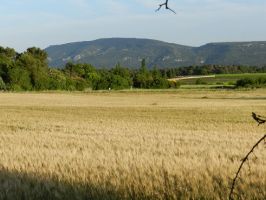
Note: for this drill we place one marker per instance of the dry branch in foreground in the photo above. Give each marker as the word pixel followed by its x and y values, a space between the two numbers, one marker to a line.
pixel 258 119
pixel 166 7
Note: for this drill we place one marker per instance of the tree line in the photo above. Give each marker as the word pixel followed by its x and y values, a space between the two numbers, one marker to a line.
pixel 30 71
pixel 211 69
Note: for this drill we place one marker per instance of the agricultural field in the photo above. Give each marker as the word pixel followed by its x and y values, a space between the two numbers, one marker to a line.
pixel 218 80
pixel 171 144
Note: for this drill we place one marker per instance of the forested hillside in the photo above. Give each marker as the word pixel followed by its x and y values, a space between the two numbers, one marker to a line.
pixel 105 53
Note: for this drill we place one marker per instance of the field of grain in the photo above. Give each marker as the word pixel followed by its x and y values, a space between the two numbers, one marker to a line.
pixel 130 145
pixel 221 79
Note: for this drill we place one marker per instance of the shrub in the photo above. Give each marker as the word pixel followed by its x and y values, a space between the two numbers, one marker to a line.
pixel 173 84
pixel 251 82
pixel 200 82
pixel 245 82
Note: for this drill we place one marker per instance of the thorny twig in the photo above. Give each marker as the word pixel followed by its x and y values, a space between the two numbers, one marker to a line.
pixel 259 119
pixel 166 7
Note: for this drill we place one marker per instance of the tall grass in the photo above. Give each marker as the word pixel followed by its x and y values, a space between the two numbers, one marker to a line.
pixel 174 145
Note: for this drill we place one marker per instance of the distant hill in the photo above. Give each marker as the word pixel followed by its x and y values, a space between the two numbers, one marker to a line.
pixel 129 52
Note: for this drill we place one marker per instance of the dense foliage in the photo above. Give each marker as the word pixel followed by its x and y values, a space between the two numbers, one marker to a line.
pixel 251 82
pixel 30 71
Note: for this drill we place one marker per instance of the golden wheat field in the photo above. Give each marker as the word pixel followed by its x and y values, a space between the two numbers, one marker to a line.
pixel 183 144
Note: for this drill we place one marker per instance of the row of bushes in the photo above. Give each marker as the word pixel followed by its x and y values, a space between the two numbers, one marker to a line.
pixel 29 71
pixel 251 82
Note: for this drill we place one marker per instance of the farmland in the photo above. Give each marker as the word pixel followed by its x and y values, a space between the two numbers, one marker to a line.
pixel 171 144
pixel 219 79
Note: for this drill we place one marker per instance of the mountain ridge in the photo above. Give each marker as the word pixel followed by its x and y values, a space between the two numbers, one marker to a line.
pixel 107 52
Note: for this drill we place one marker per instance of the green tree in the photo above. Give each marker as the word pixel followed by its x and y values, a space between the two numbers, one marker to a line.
pixel 57 80
pixel 38 54
pixel 120 78
pixel 143 78
pixel 7 59
pixel 104 81
pixel 158 81
pixel 34 61
pixel 69 69
pixel 91 75
pixel 19 79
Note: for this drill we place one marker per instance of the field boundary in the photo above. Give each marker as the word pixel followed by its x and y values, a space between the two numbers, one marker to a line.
pixel 190 77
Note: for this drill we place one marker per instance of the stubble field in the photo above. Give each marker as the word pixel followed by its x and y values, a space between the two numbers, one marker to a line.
pixel 183 144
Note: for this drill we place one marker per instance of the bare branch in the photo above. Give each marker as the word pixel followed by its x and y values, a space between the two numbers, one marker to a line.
pixel 166 7
pixel 245 159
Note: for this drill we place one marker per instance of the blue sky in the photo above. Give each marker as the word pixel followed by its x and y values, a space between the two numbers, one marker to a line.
pixel 26 23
